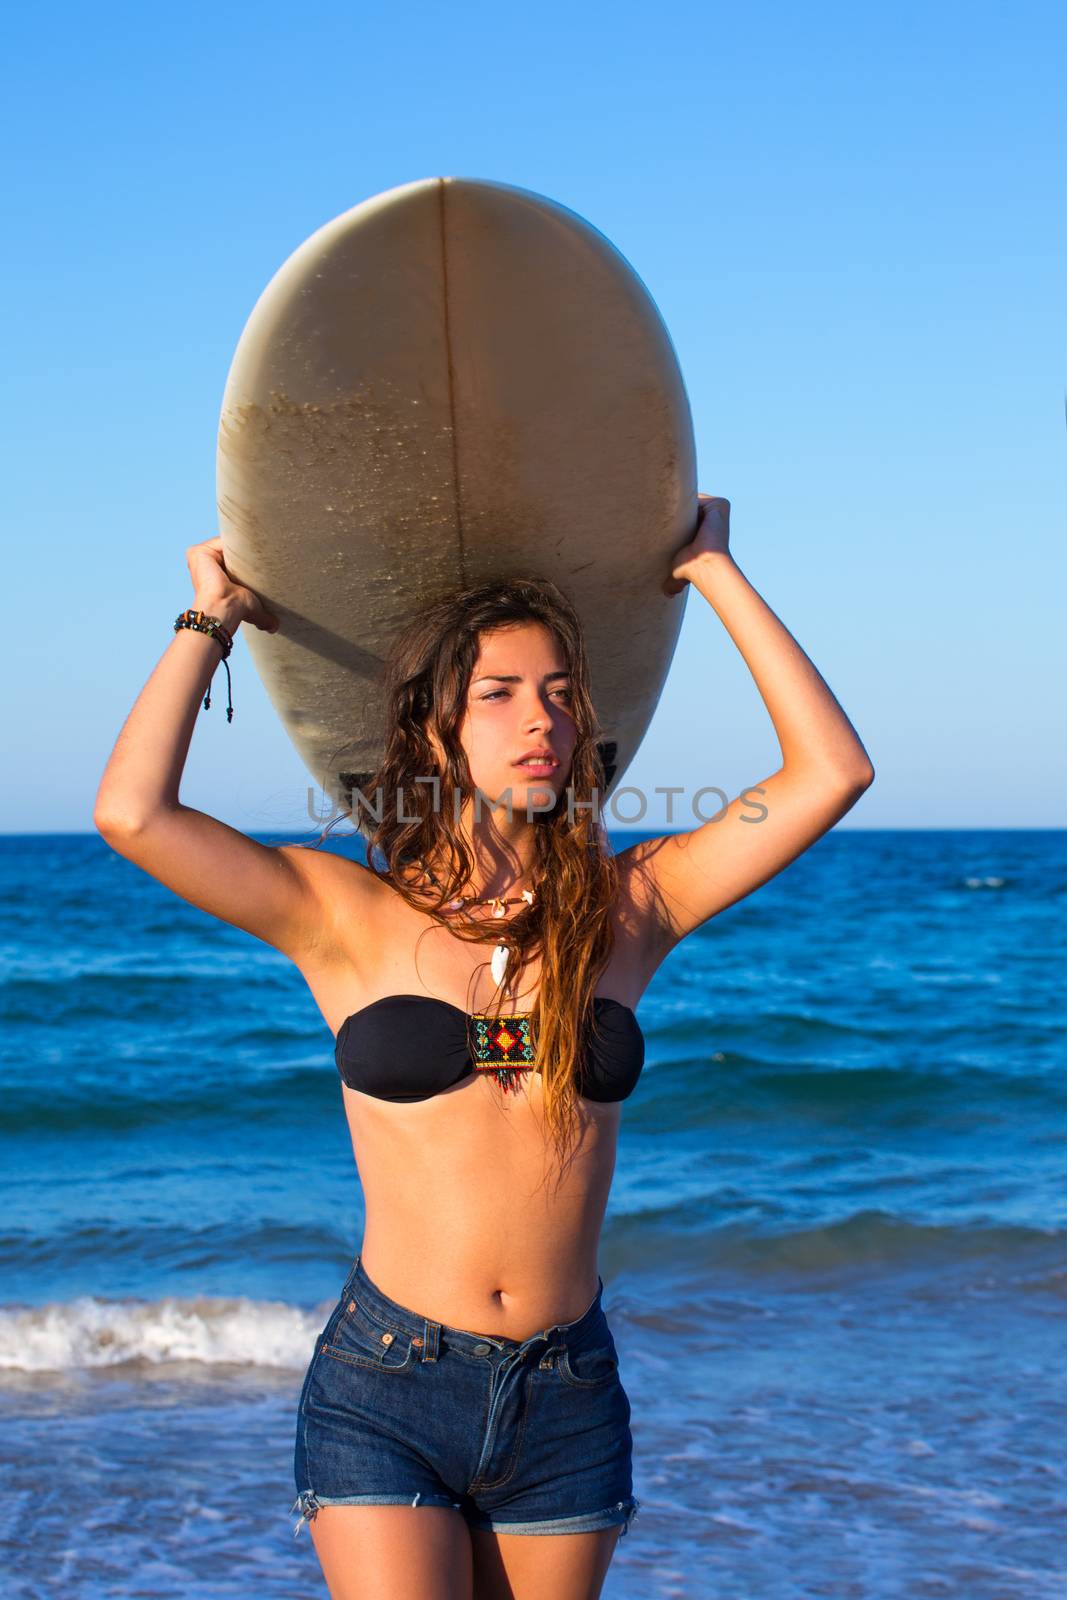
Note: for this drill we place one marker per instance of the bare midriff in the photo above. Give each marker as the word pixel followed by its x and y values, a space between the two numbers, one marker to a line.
pixel 468 1219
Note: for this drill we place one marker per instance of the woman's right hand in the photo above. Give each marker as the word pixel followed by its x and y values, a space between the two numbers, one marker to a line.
pixel 216 592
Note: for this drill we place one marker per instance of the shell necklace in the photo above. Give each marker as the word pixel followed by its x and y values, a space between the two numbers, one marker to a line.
pixel 502 952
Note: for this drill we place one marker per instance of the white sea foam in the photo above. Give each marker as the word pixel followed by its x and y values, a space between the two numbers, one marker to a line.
pixel 89 1332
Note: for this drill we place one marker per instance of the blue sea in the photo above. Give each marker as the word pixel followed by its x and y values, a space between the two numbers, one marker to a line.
pixel 835 1259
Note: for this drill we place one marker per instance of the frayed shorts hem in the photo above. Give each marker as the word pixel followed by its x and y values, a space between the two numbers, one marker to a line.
pixel 309 1502
pixel 623 1511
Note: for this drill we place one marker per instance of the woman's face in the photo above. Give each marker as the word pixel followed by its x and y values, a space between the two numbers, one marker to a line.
pixel 519 700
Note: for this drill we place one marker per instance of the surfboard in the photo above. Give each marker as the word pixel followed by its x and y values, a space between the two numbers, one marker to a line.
pixel 455 380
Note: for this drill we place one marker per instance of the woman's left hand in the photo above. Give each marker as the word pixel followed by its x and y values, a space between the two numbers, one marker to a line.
pixel 712 535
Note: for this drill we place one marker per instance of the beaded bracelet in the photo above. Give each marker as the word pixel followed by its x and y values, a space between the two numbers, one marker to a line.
pixel 200 622
pixel 192 618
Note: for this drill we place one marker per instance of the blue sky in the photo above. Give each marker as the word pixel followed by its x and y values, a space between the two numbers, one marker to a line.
pixel 851 218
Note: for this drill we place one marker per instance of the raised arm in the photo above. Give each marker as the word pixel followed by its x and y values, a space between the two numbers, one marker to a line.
pixel 270 892
pixel 681 880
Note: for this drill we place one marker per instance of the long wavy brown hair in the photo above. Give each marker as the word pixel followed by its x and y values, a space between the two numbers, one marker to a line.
pixel 569 926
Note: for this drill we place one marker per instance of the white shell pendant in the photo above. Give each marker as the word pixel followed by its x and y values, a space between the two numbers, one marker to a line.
pixel 499 964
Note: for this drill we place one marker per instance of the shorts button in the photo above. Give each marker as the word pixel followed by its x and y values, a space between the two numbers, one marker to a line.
pixel 482 1349
pixel 387 1338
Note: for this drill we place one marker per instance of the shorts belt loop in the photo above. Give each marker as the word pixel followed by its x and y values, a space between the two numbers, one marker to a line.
pixel 430 1340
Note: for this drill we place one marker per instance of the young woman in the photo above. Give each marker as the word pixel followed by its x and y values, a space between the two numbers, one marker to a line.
pixel 481 985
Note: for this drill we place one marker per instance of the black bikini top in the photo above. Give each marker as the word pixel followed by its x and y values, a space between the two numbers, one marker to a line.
pixel 411 1047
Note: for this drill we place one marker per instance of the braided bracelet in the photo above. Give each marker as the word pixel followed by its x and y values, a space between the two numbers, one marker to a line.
pixel 200 622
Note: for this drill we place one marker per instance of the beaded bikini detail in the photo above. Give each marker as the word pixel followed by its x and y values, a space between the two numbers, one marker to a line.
pixel 503 1046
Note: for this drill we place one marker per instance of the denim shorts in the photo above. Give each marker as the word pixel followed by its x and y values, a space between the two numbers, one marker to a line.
pixel 521 1436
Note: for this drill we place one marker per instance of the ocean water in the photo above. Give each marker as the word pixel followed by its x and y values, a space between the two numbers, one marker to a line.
pixel 835 1258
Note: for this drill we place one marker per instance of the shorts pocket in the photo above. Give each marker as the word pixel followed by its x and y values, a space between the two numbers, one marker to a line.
pixel 363 1338
pixel 590 1367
